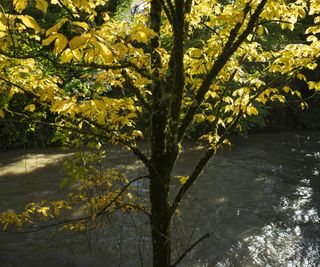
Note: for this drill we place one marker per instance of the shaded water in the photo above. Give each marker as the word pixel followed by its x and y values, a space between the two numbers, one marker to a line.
pixel 259 202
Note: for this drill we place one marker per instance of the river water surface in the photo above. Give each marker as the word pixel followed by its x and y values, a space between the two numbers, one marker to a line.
pixel 259 201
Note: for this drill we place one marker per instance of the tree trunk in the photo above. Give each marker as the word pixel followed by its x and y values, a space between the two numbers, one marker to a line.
pixel 160 174
pixel 160 221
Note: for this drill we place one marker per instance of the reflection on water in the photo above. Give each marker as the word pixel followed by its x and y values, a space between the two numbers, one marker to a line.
pixel 259 202
pixel 271 217
pixel 282 243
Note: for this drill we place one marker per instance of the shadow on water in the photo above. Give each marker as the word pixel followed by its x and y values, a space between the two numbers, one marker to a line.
pixel 29 176
pixel 259 202
pixel 33 175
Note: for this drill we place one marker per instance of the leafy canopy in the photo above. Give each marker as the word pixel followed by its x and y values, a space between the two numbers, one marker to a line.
pixel 222 78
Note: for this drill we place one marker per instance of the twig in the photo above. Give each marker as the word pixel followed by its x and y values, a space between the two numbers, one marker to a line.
pixel 189 249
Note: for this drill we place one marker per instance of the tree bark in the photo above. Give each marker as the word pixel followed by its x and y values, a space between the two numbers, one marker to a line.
pixel 160 221
pixel 160 173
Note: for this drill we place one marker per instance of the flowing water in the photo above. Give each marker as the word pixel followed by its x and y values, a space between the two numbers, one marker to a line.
pixel 258 201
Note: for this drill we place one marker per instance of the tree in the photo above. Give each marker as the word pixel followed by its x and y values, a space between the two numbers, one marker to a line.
pixel 152 64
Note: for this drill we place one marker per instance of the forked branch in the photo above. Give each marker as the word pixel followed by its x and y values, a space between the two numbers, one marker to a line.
pixel 233 43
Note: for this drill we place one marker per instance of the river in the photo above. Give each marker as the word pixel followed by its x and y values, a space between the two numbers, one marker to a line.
pixel 259 201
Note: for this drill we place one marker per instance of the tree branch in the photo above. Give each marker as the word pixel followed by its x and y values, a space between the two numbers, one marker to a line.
pixel 86 218
pixel 18 86
pixel 172 9
pixel 188 6
pixel 230 47
pixel 121 192
pixel 189 249
pixel 67 10
pixel 85 65
pixel 136 91
pixel 210 152
pixel 200 166
pixel 167 11
pixel 177 68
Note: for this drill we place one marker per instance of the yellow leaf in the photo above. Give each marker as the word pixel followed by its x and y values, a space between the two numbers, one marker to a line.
pixel 1 114
pixel 66 55
pixel 56 27
pixel 105 16
pixel 195 53
pixel 20 5
pixel 286 89
pixel 44 211
pixel 56 211
pixel 301 77
pixel 105 52
pixel 260 30
pixel 211 118
pixel 30 107
pixel 83 25
pixel 312 66
pixel 91 55
pixel 60 43
pixel 78 41
pixel 137 133
pixel 312 38
pixel 141 82
pixel 30 22
pixel 252 111
pixel 317 19
pixel 50 39
pixel 3 26
pixel 250 37
pixel 42 5
pixel 77 54
pixel 142 34
pixel 183 179
pixel 226 142
pixel 199 118
pixel 5 225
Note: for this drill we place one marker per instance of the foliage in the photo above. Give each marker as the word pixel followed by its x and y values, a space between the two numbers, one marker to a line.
pixel 153 63
pixel 97 192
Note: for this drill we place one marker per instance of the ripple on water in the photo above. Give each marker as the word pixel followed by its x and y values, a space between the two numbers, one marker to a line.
pixel 293 241
pixel 275 245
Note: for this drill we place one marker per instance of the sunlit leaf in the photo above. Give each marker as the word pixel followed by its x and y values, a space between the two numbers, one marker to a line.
pixel 66 55
pixel 50 39
pixel 183 179
pixel 55 28
pixel 30 22
pixel 30 108
pixel 79 41
pixel 60 43
pixel 83 25
pixel 20 5
pixel 42 5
